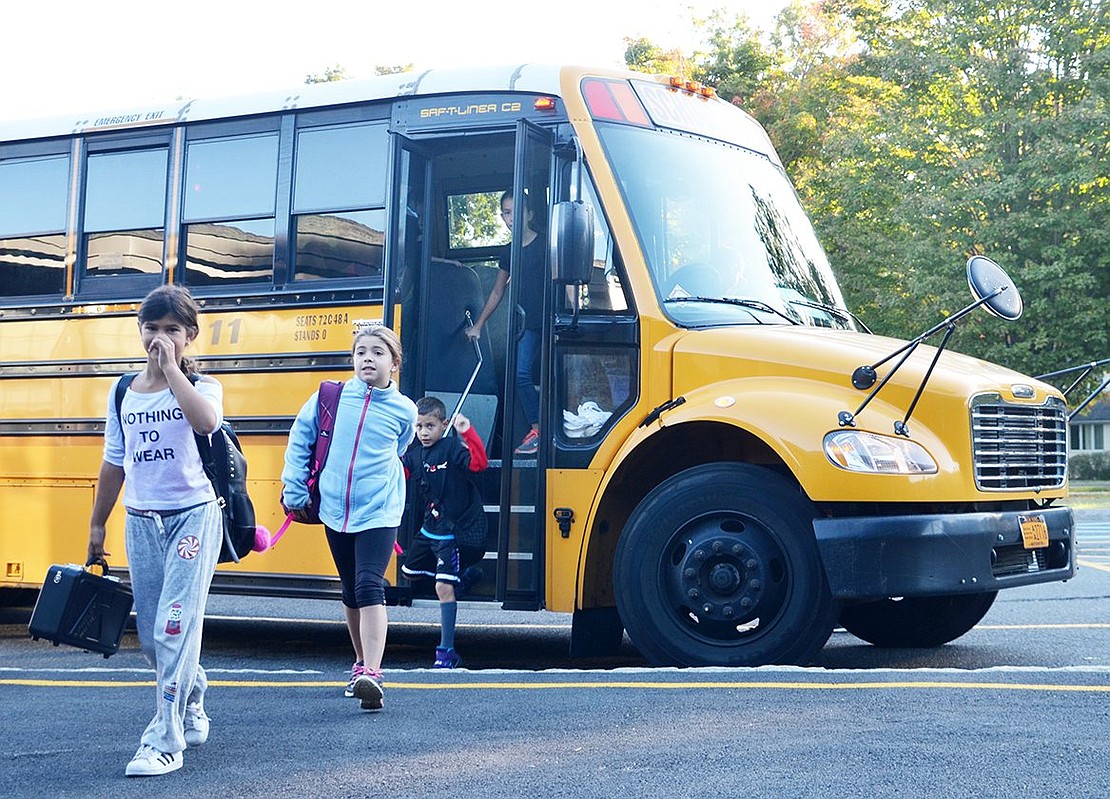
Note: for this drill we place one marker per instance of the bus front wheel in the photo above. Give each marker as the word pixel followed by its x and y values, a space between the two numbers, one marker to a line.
pixel 916 621
pixel 718 566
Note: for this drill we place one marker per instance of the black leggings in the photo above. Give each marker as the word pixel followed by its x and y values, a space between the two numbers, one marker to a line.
pixel 361 558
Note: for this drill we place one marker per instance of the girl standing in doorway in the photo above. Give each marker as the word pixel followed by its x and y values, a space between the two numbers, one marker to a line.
pixel 531 277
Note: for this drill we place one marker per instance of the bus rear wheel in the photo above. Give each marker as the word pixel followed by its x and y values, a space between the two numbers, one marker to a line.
pixel 916 621
pixel 718 566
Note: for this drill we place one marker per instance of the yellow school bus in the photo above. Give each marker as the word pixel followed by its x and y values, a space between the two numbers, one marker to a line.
pixel 729 463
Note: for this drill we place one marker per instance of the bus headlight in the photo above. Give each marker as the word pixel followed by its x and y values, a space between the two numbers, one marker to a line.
pixel 858 451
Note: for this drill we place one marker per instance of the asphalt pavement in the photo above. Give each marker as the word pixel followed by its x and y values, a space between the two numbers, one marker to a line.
pixel 1018 707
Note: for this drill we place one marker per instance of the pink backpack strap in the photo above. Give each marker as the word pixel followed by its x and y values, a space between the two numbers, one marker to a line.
pixel 327 405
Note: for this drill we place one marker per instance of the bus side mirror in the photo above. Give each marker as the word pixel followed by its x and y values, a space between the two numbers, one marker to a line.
pixel 572 242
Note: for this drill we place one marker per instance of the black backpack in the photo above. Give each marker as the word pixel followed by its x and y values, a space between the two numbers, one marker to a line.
pixel 226 467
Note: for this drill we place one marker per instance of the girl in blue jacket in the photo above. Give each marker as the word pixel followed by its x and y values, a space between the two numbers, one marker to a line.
pixel 362 493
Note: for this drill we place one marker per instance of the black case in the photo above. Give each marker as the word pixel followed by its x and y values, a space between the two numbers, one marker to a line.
pixel 78 608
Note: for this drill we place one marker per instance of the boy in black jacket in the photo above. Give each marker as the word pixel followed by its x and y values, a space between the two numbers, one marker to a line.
pixel 453 534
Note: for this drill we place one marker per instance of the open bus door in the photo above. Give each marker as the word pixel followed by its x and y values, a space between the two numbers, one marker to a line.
pixel 520 541
pixel 410 198
pixel 436 298
pixel 407 314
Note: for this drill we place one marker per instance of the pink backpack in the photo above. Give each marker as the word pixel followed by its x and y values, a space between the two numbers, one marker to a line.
pixel 327 404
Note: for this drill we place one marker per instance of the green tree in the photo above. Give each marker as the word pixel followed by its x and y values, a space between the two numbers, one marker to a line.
pixel 736 62
pixel 1006 141
pixel 329 75
pixel 339 72
pixel 920 132
pixel 643 55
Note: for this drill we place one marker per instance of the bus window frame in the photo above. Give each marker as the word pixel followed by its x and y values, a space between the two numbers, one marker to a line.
pixel 45 149
pixel 614 258
pixel 455 188
pixel 603 332
pixel 323 121
pixel 280 125
pixel 88 286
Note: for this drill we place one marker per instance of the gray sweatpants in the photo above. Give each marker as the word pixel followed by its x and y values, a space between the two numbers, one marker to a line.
pixel 171 557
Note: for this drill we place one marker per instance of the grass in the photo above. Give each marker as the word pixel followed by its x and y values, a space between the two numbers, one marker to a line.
pixel 1089 494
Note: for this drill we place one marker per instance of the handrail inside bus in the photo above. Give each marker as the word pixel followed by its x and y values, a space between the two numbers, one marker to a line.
pixel 473 375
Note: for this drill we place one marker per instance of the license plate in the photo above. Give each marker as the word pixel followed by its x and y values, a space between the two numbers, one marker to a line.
pixel 1034 532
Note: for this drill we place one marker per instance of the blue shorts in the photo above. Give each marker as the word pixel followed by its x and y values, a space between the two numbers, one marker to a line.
pixel 439 559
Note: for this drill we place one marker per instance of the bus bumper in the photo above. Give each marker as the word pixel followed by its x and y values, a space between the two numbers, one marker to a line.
pixel 872 557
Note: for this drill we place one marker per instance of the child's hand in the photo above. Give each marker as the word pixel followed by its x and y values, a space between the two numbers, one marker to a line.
pixel 163 351
pixel 96 551
pixel 462 424
pixel 298 514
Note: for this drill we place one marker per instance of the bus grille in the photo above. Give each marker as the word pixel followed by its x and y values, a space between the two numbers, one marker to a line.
pixel 1019 447
pixel 1018 560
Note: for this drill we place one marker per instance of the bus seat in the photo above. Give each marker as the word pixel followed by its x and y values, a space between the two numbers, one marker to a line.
pixel 453 290
pixel 480 409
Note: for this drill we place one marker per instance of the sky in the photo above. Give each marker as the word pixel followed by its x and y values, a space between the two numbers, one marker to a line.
pixel 68 56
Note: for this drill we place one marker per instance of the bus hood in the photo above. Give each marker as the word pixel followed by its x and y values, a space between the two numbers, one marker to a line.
pixel 828 357
pixel 788 386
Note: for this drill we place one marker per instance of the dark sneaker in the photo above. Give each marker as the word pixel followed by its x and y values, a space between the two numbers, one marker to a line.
pixel 530 445
pixel 367 689
pixel 356 670
pixel 446 658
pixel 149 762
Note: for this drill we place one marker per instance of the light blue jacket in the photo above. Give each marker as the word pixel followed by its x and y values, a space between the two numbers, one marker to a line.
pixel 363 483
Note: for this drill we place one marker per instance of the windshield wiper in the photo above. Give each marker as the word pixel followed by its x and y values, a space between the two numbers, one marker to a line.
pixel 838 312
pixel 758 305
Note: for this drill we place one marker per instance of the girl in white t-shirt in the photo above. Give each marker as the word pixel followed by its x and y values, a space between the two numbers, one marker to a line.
pixel 174 527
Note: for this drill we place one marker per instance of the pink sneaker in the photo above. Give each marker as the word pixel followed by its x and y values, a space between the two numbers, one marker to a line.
pixel 356 670
pixel 530 445
pixel 368 689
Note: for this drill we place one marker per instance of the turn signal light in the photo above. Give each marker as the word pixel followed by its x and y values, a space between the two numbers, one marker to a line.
pixel 691 86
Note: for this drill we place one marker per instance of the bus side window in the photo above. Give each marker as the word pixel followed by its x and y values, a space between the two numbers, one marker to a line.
pixel 125 212
pixel 596 385
pixel 33 193
pixel 339 197
pixel 228 212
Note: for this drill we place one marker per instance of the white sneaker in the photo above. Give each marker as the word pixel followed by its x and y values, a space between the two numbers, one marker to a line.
pixel 149 762
pixel 197 725
pixel 356 670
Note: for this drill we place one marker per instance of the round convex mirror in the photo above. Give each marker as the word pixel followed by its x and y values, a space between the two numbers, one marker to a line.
pixel 989 282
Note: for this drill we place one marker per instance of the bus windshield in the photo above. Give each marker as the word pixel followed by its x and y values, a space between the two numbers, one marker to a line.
pixel 725 238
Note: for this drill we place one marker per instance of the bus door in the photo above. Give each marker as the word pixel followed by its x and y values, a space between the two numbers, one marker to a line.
pixel 437 298
pixel 410 199
pixel 520 542
pixel 438 294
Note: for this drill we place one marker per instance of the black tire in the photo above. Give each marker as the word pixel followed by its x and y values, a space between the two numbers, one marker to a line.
pixel 916 621
pixel 718 565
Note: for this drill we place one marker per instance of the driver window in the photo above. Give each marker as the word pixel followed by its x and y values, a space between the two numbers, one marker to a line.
pixel 689 268
pixel 605 292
